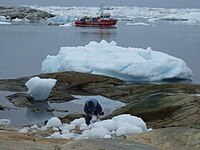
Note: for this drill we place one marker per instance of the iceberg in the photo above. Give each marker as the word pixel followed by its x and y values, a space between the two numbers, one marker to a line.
pixel 39 89
pixel 130 64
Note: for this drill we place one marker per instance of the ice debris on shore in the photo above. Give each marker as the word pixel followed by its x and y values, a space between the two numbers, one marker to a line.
pixel 39 89
pixel 132 64
pixel 124 124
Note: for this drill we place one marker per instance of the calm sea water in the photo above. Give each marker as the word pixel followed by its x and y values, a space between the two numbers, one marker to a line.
pixel 24 47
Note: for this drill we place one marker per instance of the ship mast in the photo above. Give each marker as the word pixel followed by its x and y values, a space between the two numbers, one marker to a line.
pixel 101 8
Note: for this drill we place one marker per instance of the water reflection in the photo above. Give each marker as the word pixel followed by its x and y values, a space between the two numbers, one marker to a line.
pixel 39 113
pixel 97 33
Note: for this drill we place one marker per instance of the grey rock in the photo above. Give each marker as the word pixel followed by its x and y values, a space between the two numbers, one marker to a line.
pixel 105 144
pixel 170 138
pixel 22 12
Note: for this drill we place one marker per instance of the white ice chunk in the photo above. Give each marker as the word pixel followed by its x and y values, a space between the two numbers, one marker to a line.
pixel 54 122
pixel 56 135
pixel 65 131
pixel 127 129
pixel 68 136
pixel 78 122
pixel 39 89
pixel 97 132
pixel 35 127
pixel 23 130
pixel 55 129
pixel 133 120
pixel 83 136
pixel 69 127
pixel 108 124
pixel 84 126
pixel 94 119
pixel 43 128
pixel 107 136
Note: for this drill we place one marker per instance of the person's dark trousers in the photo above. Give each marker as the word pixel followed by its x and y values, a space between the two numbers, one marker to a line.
pixel 87 119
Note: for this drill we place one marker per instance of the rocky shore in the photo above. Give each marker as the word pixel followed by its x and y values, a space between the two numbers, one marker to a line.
pixel 172 110
pixel 24 12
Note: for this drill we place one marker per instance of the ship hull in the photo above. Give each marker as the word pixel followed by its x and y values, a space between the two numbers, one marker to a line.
pixel 102 23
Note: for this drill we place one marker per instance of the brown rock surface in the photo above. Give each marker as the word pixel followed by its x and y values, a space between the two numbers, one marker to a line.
pixel 11 140
pixel 174 138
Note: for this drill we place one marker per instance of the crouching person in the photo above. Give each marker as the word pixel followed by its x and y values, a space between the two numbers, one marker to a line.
pixel 92 108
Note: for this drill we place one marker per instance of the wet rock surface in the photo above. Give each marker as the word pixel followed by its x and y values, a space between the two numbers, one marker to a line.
pixel 23 12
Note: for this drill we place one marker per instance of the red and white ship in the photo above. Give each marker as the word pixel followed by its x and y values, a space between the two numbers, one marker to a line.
pixel 104 20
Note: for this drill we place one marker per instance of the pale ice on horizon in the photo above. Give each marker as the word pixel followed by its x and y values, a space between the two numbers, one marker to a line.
pixel 132 64
pixel 188 16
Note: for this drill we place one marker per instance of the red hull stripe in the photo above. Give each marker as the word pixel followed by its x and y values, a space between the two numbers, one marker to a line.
pixel 100 23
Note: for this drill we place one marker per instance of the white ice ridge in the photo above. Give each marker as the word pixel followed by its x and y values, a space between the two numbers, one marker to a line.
pixel 39 89
pixel 132 64
pixel 187 15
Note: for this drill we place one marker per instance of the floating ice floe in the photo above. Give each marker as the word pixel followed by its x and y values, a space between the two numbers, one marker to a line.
pixel 137 24
pixel 132 64
pixel 117 126
pixel 4 23
pixel 5 122
pixel 39 89
pixel 66 25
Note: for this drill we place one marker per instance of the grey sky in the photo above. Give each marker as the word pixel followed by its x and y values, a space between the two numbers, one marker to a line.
pixel 140 3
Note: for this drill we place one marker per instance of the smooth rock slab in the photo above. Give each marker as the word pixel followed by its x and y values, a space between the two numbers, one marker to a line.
pixel 174 138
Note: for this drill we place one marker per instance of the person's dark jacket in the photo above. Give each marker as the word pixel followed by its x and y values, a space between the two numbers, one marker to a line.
pixel 95 109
